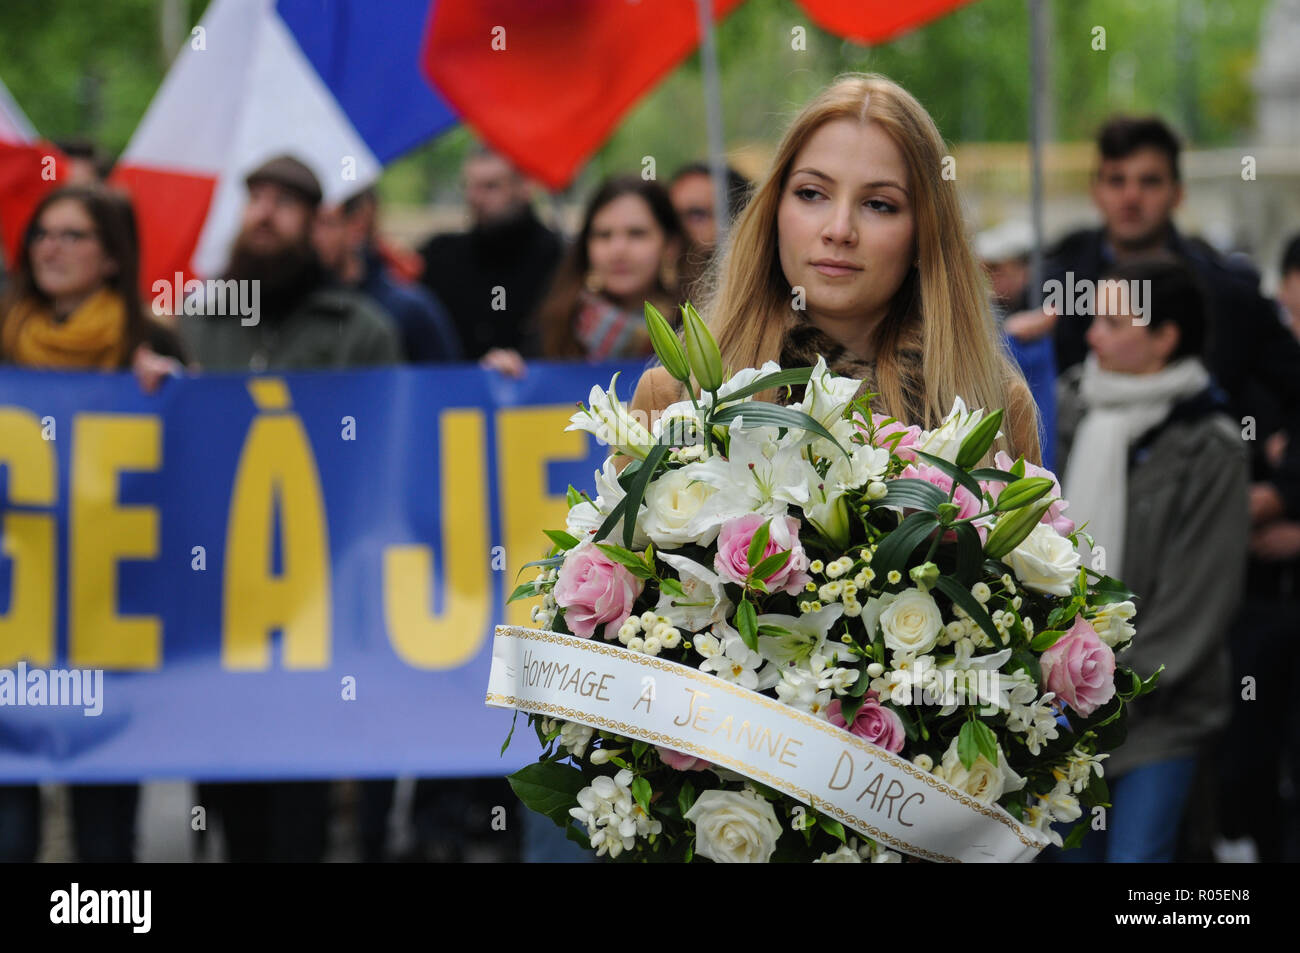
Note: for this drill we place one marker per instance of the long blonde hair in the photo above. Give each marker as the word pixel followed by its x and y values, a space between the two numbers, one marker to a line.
pixel 940 310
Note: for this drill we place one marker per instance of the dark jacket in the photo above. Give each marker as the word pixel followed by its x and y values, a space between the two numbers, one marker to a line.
pixel 428 336
pixel 327 328
pixel 1184 558
pixel 464 271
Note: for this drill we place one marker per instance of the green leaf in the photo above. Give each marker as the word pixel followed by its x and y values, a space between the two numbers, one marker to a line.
pixel 1012 527
pixel 560 538
pixel 1108 589
pixel 968 748
pixel 771 564
pixel 626 557
pixel 747 623
pixel 668 347
pixel 758 414
pixel 961 596
pixel 636 491
pixel 639 748
pixel 686 797
pixel 526 591
pixel 994 475
pixel 776 631
pixel 912 493
pixel 957 473
pixel 578 834
pixel 1076 836
pixel 1029 662
pixel 1045 640
pixel 572 496
pixel 979 440
pixel 548 562
pixel 758 543
pixel 1022 492
pixel 986 741
pixel 612 519
pixel 1018 468
pixel 899 544
pixel 832 827
pixel 548 788
pixel 513 722
pixel 969 554
pixel 671 586
pixel 641 791
pixel 790 378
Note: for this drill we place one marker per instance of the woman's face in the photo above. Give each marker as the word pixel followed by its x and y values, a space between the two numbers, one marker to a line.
pixel 626 248
pixel 68 261
pixel 845 225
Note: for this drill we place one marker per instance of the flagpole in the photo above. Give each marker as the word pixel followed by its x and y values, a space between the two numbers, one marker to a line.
pixel 713 115
pixel 1037 121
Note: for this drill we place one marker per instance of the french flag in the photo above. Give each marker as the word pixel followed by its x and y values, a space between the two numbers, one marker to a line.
pixel 29 168
pixel 338 85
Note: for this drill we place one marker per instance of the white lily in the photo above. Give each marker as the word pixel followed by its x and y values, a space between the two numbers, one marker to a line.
pixel 607 419
pixel 762 475
pixel 585 518
pixel 827 395
pixel 946 439
pixel 706 600
pixel 807 638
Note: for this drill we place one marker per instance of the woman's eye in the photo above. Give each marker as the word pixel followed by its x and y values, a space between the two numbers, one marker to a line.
pixel 807 194
pixel 880 205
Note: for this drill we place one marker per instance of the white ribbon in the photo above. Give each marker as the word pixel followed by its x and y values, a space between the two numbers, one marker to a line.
pixel 664 703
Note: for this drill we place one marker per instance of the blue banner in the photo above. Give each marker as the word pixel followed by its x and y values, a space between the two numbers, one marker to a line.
pixel 281 576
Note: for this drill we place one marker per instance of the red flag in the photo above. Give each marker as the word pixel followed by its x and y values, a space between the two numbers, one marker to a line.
pixel 28 170
pixel 875 21
pixel 545 83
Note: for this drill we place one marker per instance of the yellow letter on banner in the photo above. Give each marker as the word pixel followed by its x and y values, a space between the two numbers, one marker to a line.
pixel 454 636
pixel 102 533
pixel 528 438
pixel 27 629
pixel 276 467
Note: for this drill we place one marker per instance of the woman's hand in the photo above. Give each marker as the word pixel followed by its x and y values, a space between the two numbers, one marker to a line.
pixel 151 368
pixel 504 359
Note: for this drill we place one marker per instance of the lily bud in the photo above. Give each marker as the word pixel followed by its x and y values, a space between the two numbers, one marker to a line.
pixel 668 347
pixel 701 350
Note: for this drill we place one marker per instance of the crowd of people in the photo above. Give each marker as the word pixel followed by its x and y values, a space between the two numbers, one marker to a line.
pixel 1203 524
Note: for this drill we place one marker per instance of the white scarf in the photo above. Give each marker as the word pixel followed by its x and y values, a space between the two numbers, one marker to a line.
pixel 1119 408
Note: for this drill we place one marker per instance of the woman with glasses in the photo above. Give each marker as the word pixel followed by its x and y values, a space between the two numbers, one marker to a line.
pixel 74 304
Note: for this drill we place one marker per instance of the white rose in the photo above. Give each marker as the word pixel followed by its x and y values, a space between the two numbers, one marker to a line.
pixel 912 622
pixel 734 827
pixel 673 504
pixel 983 780
pixel 1045 561
pixel 843 855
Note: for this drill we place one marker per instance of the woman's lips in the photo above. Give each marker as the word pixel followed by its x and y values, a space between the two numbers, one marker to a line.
pixel 834 271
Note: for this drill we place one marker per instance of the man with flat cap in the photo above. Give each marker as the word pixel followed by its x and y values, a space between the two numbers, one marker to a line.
pixel 304 321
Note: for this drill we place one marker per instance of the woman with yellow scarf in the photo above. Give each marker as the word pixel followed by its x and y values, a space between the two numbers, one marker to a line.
pixel 75 304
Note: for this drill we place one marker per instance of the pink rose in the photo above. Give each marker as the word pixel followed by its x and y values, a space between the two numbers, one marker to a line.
pixel 1053 517
pixel 680 761
pixel 905 449
pixel 873 722
pixel 593 589
pixel 968 504
pixel 1080 669
pixel 732 560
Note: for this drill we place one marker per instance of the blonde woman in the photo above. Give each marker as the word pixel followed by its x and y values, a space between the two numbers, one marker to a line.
pixel 854 248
